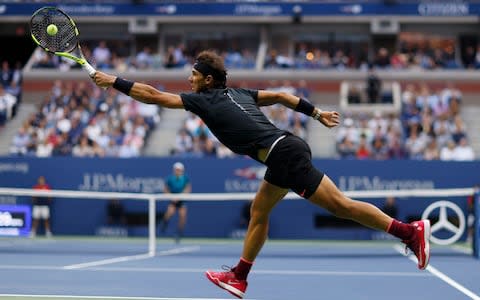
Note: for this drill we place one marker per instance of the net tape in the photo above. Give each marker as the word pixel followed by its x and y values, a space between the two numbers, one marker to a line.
pixel 231 196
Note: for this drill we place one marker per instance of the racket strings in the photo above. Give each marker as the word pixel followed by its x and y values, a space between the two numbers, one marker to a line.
pixel 65 40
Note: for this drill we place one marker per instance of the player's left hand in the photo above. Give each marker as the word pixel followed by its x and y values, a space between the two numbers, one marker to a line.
pixel 329 118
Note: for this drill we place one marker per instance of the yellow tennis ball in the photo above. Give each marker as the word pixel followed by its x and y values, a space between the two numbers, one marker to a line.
pixel 52 29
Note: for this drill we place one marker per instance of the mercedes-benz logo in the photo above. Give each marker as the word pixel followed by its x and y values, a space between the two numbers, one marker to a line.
pixel 443 223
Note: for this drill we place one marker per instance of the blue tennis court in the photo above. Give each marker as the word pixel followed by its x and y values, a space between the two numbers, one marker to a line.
pixel 94 268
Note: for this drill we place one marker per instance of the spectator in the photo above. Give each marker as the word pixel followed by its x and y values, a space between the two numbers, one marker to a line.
pixel 458 130
pixel 415 143
pixel 363 151
pixel 144 59
pixel 448 152
pixel 6 74
pixel 116 213
pixel 379 149
pixel 183 143
pixel 348 130
pixel 463 151
pixel 83 149
pixel 7 105
pixel 20 142
pixel 431 152
pixel 102 56
pixel 347 148
pixel 170 60
pixel 373 87
pixel 41 208
pixel 396 149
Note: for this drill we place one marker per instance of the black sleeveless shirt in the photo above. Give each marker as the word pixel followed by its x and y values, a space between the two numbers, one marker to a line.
pixel 234 118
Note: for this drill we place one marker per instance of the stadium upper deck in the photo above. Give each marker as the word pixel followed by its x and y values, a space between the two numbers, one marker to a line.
pixel 364 27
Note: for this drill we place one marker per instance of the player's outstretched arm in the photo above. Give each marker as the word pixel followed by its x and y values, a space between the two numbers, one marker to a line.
pixel 139 91
pixel 327 118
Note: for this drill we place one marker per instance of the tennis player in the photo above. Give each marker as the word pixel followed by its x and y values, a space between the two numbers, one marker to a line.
pixel 176 183
pixel 233 115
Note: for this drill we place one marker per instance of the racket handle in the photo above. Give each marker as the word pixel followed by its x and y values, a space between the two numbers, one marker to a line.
pixel 90 70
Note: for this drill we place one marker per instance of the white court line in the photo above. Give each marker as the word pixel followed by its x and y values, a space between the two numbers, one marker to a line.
pixel 258 272
pixel 131 258
pixel 105 297
pixel 440 275
pixel 108 261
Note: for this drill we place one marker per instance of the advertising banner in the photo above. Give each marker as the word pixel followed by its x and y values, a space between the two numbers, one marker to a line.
pixel 267 8
pixel 217 218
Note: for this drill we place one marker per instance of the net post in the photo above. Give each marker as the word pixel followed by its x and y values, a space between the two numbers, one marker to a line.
pixel 476 225
pixel 151 226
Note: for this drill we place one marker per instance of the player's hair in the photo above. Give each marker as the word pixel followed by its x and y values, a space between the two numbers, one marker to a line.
pixel 210 63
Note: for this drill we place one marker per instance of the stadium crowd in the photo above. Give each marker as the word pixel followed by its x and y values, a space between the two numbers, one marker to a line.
pixel 78 119
pixel 429 127
pixel 10 91
pixel 409 56
pixel 115 55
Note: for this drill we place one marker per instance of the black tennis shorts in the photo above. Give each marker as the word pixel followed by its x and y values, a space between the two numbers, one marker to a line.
pixel 178 203
pixel 290 166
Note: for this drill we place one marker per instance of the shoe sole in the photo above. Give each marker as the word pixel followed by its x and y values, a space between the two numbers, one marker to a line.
pixel 426 238
pixel 224 286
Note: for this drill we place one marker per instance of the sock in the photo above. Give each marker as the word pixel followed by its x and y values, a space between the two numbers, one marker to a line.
pixel 401 230
pixel 242 269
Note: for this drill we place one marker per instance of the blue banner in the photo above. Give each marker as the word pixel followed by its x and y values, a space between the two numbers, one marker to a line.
pixel 422 9
pixel 15 220
pixel 219 218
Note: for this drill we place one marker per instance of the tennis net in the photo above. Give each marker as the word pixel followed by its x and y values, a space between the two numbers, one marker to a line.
pixel 447 208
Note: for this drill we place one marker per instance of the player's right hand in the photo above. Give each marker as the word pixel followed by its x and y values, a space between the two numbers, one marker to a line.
pixel 103 80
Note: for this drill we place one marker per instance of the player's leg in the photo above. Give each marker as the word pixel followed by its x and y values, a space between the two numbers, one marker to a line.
pixel 267 197
pixel 33 231
pixel 46 217
pixel 182 220
pixel 332 199
pixel 234 280
pixel 182 217
pixel 166 217
pixel 415 236
pixel 35 217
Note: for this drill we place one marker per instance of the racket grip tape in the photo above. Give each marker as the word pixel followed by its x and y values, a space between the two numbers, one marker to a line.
pixel 90 70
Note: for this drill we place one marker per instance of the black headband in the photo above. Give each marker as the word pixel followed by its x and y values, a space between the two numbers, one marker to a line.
pixel 206 69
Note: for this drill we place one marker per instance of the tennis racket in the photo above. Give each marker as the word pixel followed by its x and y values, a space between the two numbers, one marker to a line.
pixel 64 41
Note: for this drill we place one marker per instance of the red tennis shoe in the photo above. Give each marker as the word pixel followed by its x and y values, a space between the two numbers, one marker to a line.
pixel 420 243
pixel 228 281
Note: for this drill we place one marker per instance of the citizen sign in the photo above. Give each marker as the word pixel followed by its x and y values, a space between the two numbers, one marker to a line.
pixel 444 9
